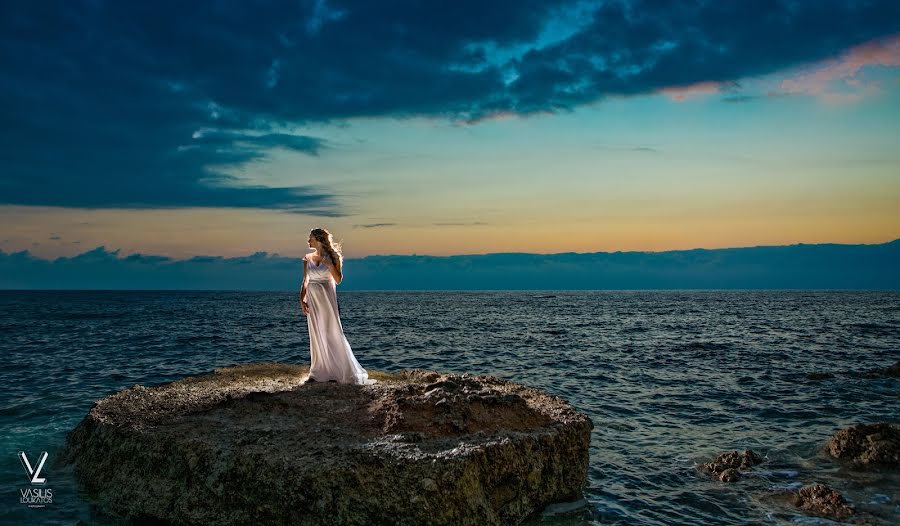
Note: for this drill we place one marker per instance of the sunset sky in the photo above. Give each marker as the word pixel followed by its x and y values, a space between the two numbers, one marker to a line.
pixel 183 129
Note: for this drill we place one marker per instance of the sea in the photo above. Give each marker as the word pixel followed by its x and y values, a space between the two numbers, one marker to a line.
pixel 669 378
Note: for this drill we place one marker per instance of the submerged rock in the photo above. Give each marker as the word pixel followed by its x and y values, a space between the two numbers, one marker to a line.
pixel 254 443
pixel 867 445
pixel 892 371
pixel 727 466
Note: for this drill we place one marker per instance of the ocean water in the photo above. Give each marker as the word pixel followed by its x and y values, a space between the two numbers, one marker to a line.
pixel 669 378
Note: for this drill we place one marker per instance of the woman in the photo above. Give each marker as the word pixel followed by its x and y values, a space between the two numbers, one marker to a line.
pixel 331 358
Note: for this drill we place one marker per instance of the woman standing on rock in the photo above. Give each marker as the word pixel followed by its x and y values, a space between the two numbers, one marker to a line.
pixel 331 357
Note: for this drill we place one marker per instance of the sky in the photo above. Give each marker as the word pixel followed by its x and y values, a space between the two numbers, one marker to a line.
pixel 229 128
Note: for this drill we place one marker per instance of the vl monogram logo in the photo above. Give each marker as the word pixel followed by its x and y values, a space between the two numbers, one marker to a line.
pixel 35 497
pixel 34 474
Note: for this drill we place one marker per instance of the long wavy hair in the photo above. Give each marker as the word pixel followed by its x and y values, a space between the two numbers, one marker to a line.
pixel 331 247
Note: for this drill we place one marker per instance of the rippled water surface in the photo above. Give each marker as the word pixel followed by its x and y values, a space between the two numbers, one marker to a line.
pixel 669 378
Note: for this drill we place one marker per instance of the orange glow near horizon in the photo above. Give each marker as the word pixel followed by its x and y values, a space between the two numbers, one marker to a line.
pixel 246 232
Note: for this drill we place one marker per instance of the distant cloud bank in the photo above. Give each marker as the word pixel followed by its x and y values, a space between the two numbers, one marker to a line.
pixel 800 266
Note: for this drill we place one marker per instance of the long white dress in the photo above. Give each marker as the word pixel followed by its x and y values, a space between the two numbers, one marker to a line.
pixel 331 357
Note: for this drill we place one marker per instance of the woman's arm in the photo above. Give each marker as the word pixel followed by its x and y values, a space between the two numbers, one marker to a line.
pixel 305 280
pixel 335 268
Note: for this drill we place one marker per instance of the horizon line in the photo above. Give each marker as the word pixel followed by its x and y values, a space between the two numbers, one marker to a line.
pixel 277 254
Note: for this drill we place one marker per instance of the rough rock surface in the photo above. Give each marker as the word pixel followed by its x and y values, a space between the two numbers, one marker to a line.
pixel 255 444
pixel 816 499
pixel 820 500
pixel 727 466
pixel 867 445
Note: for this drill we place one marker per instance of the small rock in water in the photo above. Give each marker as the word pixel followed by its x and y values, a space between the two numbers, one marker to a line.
pixel 820 504
pixel 821 500
pixel 726 467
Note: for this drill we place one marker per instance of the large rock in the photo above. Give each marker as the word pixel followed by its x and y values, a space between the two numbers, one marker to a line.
pixel 867 445
pixel 253 444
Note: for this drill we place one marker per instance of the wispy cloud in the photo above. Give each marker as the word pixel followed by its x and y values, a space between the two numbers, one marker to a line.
pixel 634 148
pixel 374 225
pixel 837 80
pixel 682 93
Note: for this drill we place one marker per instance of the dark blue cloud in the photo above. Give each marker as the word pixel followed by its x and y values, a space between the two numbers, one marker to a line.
pixel 101 101
pixel 824 266
pixel 640 46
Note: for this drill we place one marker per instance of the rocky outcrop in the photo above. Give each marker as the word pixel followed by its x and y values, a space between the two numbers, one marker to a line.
pixel 821 500
pixel 816 499
pixel 867 445
pixel 254 444
pixel 727 466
